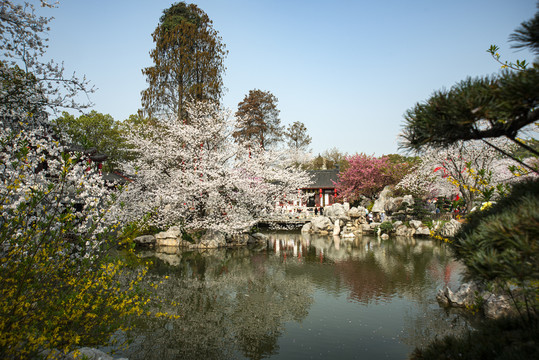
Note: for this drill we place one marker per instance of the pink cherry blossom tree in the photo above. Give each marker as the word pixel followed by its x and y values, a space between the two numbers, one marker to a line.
pixel 367 175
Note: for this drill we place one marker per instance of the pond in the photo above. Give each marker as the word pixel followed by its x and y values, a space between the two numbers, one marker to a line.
pixel 301 297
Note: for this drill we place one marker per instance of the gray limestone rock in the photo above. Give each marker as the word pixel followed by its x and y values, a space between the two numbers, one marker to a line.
pixel 423 231
pixel 416 224
pixel 466 295
pixel 306 228
pixel 145 240
pixel 450 228
pixel 90 354
pixel 470 294
pixel 336 211
pixel 260 236
pixel 321 223
pixel 408 199
pixel 213 239
pixel 355 212
pixel 380 203
pixel 403 230
pixel 496 306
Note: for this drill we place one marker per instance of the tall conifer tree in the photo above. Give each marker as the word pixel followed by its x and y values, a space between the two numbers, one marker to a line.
pixel 188 62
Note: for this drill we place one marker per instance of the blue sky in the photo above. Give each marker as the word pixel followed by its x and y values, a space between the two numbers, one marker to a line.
pixel 347 69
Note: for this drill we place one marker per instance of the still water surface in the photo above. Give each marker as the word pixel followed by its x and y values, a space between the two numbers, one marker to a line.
pixel 302 297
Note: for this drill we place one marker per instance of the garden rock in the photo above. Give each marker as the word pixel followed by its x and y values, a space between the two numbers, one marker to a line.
pixel 212 240
pixel 469 295
pixel 166 240
pixel 321 223
pixel 169 237
pixel 374 225
pixel 423 231
pixel 366 228
pixel 450 228
pixel 403 230
pixel 380 203
pixel 145 240
pixel 173 232
pixel 466 295
pixel 238 239
pixel 416 224
pixel 355 212
pixel 497 306
pixel 409 199
pixel 260 237
pixel 252 239
pixel 336 211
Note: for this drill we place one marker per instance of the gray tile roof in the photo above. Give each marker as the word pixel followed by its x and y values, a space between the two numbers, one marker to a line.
pixel 323 179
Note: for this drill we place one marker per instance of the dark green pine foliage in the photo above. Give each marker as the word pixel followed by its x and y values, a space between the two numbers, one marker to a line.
pixel 476 108
pixel 502 242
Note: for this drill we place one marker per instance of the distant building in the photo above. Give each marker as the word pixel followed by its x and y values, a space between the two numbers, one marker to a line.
pixel 322 191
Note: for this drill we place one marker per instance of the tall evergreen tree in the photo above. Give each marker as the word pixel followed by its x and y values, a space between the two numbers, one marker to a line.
pixel 188 62
pixel 297 137
pixel 258 120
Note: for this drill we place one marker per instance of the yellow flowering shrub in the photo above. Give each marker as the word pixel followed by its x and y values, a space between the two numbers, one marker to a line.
pixel 59 288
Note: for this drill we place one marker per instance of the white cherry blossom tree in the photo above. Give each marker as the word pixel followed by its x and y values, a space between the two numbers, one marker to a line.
pixel 195 175
pixel 471 170
pixel 56 214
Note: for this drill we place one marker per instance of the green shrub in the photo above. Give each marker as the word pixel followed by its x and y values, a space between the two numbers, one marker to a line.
pixel 500 245
pixel 386 227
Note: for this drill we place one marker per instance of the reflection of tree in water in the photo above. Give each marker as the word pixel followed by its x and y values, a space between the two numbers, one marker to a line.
pixel 258 329
pixel 229 302
pixel 234 304
pixel 374 269
pixel 369 267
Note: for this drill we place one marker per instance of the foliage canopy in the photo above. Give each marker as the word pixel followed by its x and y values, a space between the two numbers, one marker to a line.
pixel 97 131
pixel 188 62
pixel 258 120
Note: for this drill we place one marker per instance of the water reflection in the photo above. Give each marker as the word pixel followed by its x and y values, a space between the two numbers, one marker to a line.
pixel 300 297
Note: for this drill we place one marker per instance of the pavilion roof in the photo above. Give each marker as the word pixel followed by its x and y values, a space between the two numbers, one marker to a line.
pixel 323 179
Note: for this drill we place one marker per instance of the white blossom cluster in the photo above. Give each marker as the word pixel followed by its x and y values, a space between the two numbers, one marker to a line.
pixel 50 201
pixel 463 169
pixel 49 195
pixel 194 174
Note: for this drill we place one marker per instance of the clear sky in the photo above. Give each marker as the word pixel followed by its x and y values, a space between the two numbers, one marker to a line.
pixel 347 69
